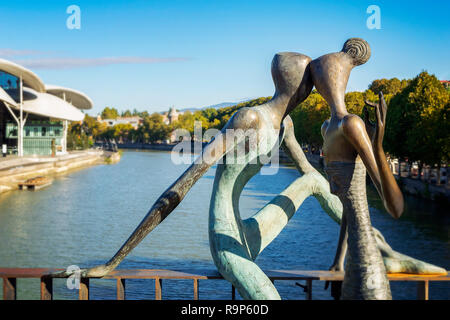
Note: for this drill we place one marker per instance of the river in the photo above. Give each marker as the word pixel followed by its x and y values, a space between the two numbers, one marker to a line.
pixel 85 216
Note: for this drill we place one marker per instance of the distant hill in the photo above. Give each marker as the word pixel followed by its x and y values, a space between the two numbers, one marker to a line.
pixel 215 106
pixel 223 105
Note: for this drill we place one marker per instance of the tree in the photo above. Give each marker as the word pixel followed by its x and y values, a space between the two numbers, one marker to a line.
pixel 127 113
pixel 92 127
pixel 109 113
pixel 154 129
pixel 308 118
pixel 418 124
pixel 388 86
pixel 122 132
pixel 78 137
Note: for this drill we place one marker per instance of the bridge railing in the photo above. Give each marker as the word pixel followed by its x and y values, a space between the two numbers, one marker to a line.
pixel 10 276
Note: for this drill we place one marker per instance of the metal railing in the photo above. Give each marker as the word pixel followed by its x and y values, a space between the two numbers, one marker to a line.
pixel 10 276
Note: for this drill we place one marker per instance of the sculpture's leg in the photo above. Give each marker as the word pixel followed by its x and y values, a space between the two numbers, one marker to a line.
pixel 263 227
pixel 233 262
pixel 228 243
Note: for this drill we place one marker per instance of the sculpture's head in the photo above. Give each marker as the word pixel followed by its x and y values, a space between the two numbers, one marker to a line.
pixel 330 72
pixel 291 76
pixel 358 50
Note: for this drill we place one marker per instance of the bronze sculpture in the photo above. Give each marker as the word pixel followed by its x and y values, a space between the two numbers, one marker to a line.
pixel 348 151
pixel 234 242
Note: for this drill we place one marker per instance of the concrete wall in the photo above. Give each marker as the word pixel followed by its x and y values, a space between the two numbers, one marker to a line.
pixel 21 170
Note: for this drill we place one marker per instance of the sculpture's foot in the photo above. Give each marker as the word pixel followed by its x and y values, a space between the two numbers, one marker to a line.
pixel 336 286
pixel 249 280
pixel 94 272
pixel 396 262
pixel 405 264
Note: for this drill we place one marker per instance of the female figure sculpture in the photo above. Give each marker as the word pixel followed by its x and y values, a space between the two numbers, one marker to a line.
pixel 257 132
pixel 348 151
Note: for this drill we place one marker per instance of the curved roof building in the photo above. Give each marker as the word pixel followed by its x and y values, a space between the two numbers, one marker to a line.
pixel 74 97
pixel 33 114
pixel 47 105
pixel 29 78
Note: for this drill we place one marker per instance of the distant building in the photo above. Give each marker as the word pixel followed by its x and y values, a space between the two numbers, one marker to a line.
pixel 171 116
pixel 136 122
pixel 35 116
pixel 445 83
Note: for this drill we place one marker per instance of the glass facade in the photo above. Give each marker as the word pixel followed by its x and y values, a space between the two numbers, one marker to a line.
pixel 38 133
pixel 38 136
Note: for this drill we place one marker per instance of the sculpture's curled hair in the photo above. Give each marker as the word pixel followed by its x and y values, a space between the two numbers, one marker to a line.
pixel 358 49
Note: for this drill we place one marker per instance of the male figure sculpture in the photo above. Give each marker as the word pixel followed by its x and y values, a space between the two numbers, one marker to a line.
pixel 234 242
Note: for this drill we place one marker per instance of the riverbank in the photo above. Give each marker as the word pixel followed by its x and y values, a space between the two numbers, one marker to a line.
pixel 14 170
pixel 156 146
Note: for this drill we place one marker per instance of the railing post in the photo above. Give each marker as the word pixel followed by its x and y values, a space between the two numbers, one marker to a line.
pixel 233 293
pixel 9 288
pixel 195 289
pixel 422 290
pixel 84 289
pixel 120 289
pixel 46 288
pixel 309 292
pixel 158 289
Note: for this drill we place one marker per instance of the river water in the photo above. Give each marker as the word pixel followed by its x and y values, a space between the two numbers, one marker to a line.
pixel 85 216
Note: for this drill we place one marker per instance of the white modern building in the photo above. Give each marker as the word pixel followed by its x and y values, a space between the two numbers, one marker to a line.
pixel 35 116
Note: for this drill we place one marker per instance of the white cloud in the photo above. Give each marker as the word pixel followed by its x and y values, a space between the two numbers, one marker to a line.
pixel 70 63
pixel 6 52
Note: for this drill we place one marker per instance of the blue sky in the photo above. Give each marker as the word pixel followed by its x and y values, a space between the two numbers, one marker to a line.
pixel 152 55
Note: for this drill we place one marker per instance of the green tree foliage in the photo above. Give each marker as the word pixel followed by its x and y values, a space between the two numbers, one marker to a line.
pixel 388 86
pixel 78 137
pixel 122 132
pixel 127 113
pixel 308 118
pixel 92 127
pixel 418 124
pixel 109 113
pixel 154 129
pixel 188 119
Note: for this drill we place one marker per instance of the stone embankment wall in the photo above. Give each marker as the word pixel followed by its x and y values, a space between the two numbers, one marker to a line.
pixel 17 170
pixel 159 146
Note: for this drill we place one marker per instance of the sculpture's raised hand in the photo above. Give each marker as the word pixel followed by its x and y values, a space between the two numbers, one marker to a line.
pixel 376 129
pixel 370 126
pixel 380 114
